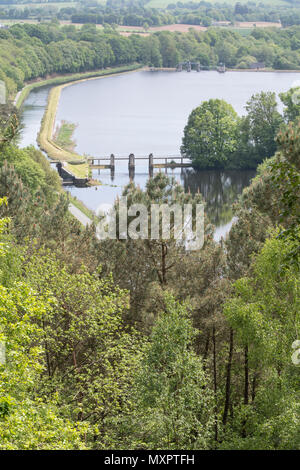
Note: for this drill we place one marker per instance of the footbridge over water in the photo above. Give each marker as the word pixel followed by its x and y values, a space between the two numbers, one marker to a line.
pixel 169 161
pixel 189 66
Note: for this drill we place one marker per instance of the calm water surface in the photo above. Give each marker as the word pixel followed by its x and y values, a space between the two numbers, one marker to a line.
pixel 145 112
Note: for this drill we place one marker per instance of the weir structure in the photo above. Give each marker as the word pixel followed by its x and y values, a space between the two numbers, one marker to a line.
pixel 188 65
pixel 174 161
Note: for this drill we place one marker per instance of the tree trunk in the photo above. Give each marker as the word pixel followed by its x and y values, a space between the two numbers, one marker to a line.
pixel 228 378
pixel 215 380
pixel 206 349
pixel 246 388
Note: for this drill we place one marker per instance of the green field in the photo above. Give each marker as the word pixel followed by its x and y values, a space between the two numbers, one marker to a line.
pixel 165 3
pixel 242 31
pixel 64 136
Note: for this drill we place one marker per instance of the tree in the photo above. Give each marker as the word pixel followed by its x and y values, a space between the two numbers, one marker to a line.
pixel 270 201
pixel 257 131
pixel 168 50
pixel 226 52
pixel 264 315
pixel 286 177
pixel 264 122
pixel 291 101
pixel 210 134
pixel 146 267
pixel 9 124
pixel 27 420
pixel 173 404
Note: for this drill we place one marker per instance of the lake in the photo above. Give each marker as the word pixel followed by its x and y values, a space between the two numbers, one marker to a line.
pixel 145 112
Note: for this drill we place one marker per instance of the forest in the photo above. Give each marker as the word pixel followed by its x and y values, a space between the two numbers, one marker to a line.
pixel 30 51
pixel 143 344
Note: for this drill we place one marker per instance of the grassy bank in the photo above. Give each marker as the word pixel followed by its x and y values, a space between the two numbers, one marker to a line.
pixel 76 163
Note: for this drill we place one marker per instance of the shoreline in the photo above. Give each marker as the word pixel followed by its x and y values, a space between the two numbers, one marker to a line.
pixel 263 70
pixel 75 163
pixel 61 79
pixel 22 94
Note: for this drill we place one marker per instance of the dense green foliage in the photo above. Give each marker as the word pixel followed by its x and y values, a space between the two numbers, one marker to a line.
pixel 143 344
pixel 173 403
pixel 30 51
pixel 264 314
pixel 215 137
pixel 210 134
pixel 286 176
pixel 27 421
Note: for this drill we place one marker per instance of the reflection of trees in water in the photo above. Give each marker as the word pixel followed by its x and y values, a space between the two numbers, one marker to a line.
pixel 219 189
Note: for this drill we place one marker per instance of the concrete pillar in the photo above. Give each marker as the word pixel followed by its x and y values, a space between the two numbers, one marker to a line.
pixel 151 165
pixel 131 161
pixel 131 173
pixel 131 166
pixel 112 162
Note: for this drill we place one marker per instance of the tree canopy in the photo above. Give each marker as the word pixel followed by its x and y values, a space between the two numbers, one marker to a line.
pixel 210 134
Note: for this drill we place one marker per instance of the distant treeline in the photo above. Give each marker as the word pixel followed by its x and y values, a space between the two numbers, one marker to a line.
pixel 136 12
pixel 205 13
pixel 30 51
pixel 131 16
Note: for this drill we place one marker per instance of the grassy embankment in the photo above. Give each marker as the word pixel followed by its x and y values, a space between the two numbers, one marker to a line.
pixel 75 163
